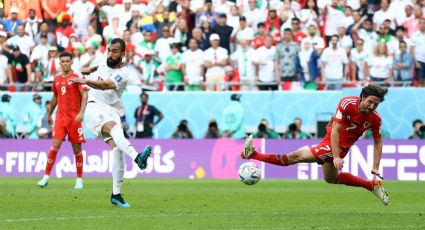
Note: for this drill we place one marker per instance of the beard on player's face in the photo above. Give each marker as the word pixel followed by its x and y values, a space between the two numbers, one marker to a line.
pixel 113 62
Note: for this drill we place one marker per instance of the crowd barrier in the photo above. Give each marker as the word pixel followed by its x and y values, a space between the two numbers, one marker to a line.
pixel 198 159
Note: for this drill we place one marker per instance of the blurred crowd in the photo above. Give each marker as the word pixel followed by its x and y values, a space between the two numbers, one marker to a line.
pixel 180 45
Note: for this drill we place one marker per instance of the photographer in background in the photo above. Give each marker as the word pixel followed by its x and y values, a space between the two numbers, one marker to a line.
pixel 265 132
pixel 418 130
pixel 294 132
pixel 182 131
pixel 212 132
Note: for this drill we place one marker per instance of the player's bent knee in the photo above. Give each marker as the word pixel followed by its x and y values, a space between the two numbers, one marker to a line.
pixel 294 157
pixel 106 128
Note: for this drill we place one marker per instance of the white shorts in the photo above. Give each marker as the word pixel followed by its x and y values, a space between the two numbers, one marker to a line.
pixel 97 115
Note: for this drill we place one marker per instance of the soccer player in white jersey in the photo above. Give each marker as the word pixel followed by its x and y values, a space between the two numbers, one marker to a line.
pixel 104 111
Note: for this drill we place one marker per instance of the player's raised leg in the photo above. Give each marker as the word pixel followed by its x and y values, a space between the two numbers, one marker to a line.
pixel 115 131
pixel 118 167
pixel 51 158
pixel 297 156
pixel 78 154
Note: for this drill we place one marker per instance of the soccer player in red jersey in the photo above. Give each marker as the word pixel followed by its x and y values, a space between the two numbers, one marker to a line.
pixel 353 117
pixel 71 100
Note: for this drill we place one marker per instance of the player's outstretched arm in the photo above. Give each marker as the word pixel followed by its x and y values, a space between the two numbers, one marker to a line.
pixel 338 161
pixel 377 153
pixel 89 70
pixel 51 108
pixel 102 85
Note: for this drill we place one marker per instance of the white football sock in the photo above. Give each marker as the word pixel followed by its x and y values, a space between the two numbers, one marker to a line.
pixel 118 166
pixel 122 143
pixel 46 177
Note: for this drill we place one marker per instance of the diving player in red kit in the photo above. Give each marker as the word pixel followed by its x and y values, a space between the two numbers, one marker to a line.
pixel 353 117
pixel 71 100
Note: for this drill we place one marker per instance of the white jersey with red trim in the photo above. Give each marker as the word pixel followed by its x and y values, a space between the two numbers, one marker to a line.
pixel 110 97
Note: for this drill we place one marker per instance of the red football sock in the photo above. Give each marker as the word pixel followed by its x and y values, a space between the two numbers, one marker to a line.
pixel 79 164
pixel 276 159
pixel 351 180
pixel 51 158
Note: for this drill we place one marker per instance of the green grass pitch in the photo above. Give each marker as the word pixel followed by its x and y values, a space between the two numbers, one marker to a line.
pixel 208 204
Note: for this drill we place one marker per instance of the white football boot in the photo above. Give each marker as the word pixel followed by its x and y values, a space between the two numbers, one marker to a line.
pixel 249 148
pixel 79 183
pixel 380 192
pixel 43 182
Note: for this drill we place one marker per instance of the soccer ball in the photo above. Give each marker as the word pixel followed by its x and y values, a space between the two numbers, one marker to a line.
pixel 249 173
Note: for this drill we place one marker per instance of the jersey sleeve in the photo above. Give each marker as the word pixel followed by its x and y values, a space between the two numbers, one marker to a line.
pixel 341 111
pixel 81 87
pixel 376 128
pixel 120 80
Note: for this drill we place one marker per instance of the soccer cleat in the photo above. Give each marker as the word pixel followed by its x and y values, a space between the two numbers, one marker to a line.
pixel 118 201
pixel 380 192
pixel 79 184
pixel 43 182
pixel 249 149
pixel 142 158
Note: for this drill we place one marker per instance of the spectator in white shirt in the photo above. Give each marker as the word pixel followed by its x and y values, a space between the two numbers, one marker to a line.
pixel 223 7
pixel 418 52
pixel 334 65
pixel 4 73
pixel 76 56
pixel 359 62
pixel 32 24
pixel 401 17
pixel 114 30
pixel 394 44
pixel 384 13
pixel 380 64
pixel 254 15
pixel 215 59
pixel 92 57
pixel 265 58
pixel 243 58
pixel 333 18
pixel 162 45
pixel 40 52
pixel 310 14
pixel 192 66
pixel 316 41
pixel 81 11
pixel 364 30
pixel 345 41
pixel 243 30
pixel 22 40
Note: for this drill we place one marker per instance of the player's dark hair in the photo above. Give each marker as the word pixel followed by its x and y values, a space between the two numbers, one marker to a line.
pixel 374 90
pixel 119 41
pixel 287 30
pixel 65 54
pixel 144 94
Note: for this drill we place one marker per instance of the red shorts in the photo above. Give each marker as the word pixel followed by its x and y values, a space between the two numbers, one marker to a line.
pixel 323 151
pixel 73 129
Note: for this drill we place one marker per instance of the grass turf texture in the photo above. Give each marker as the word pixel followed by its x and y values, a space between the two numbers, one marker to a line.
pixel 208 204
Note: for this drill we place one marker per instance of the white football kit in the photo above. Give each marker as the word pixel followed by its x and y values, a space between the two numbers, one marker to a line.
pixel 105 105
